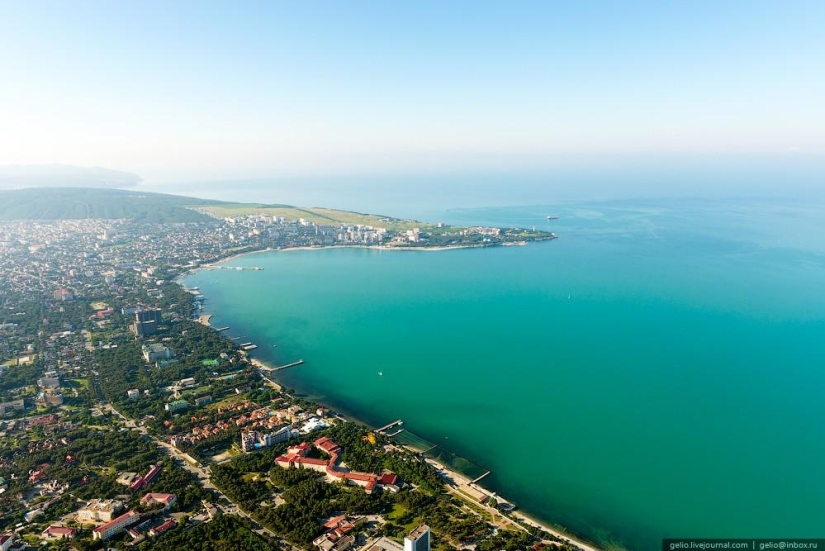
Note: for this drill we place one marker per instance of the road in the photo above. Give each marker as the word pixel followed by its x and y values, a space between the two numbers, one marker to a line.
pixel 201 473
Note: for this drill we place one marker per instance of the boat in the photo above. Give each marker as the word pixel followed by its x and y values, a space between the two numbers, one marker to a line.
pixel 551 217
pixel 380 373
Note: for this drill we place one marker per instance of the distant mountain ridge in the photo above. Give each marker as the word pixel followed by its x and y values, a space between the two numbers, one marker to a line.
pixel 78 203
pixel 65 203
pixel 58 175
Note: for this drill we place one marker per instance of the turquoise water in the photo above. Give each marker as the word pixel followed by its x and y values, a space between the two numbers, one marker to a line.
pixel 658 371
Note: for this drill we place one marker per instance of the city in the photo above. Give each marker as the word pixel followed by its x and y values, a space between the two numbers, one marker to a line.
pixel 127 419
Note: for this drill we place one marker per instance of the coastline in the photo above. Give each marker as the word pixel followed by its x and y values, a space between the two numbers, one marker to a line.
pixel 523 517
pixel 370 247
pixel 447 473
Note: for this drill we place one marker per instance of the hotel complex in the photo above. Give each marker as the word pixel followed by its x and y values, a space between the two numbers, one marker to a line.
pixel 418 539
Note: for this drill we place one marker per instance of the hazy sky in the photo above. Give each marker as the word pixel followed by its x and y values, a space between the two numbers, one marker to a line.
pixel 177 90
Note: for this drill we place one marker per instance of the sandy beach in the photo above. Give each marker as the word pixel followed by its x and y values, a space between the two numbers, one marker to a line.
pixel 371 247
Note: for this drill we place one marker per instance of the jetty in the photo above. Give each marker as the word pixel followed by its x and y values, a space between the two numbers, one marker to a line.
pixel 480 477
pixel 235 268
pixel 391 425
pixel 220 329
pixel 280 367
pixel 396 433
pixel 287 366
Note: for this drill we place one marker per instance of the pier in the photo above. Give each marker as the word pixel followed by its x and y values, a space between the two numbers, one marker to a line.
pixel 396 433
pixel 279 368
pixel 287 366
pixel 219 329
pixel 236 268
pixel 391 425
pixel 479 478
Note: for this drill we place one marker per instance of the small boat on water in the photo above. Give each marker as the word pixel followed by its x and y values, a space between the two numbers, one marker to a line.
pixel 380 373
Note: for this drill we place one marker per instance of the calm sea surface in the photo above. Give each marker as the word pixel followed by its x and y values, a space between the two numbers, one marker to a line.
pixel 658 371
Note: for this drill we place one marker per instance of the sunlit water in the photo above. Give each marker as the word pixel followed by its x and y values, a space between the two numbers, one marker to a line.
pixel 658 371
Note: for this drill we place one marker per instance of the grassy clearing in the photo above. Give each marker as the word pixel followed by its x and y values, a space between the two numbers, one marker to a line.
pixel 320 216
pixel 82 383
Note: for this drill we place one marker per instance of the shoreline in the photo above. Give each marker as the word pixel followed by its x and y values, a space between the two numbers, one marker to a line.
pixel 370 247
pixel 446 472
pixel 463 480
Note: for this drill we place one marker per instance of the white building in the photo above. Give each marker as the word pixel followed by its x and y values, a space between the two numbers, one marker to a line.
pixel 418 539
pixel 99 510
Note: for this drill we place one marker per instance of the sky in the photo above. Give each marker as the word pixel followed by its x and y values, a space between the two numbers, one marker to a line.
pixel 187 90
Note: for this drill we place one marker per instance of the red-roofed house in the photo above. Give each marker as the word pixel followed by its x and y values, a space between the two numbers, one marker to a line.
pixel 113 528
pixel 334 522
pixel 296 457
pixel 327 445
pixel 157 530
pixel 6 542
pixel 167 500
pixel 388 479
pixel 150 476
pixel 58 533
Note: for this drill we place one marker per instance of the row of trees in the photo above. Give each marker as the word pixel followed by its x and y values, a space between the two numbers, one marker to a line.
pixel 224 533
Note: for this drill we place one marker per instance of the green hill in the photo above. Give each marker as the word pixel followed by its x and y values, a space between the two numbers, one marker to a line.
pixel 76 203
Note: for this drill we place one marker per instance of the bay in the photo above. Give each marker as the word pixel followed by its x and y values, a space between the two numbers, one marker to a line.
pixel 655 372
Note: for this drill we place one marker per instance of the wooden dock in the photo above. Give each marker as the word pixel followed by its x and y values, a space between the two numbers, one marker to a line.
pixel 396 433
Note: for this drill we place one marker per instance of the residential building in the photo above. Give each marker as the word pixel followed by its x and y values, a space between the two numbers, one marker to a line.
pixel 167 500
pixel 418 539
pixel 145 480
pixel 176 405
pixel 48 382
pixel 50 398
pixel 296 456
pixel 99 510
pixel 203 400
pixel 126 478
pixel 63 295
pixel 156 351
pixel 116 526
pixel 133 394
pixel 252 440
pixel 146 322
pixel 6 541
pixel 384 544
pixel 17 405
pixel 158 530
pixel 58 533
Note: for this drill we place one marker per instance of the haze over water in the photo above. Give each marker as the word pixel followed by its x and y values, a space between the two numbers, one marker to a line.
pixel 655 372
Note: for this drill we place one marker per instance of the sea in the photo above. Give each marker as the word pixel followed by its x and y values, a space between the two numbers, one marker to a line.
pixel 657 371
